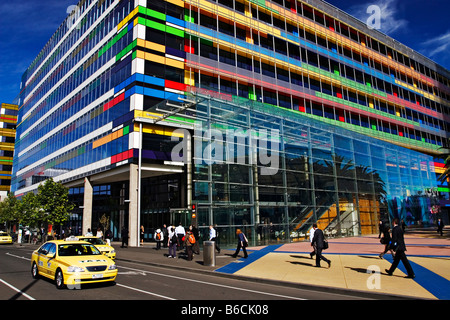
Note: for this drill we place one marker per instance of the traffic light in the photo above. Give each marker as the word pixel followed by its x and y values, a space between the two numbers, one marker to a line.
pixel 194 213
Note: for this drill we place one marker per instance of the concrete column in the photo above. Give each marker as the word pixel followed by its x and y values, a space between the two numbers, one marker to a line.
pixel 133 210
pixel 87 205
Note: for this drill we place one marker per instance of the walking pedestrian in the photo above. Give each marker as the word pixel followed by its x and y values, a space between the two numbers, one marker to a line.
pixel 172 242
pixel 181 233
pixel 440 225
pixel 141 235
pixel 386 240
pixel 242 243
pixel 189 242
pixel 124 235
pixel 399 247
pixel 165 235
pixel 213 237
pixel 99 233
pixel 195 232
pixel 108 236
pixel 318 242
pixel 311 237
pixel 380 228
pixel 159 238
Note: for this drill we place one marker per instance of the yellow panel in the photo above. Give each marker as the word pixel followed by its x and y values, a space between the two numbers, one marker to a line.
pixel 179 3
pixel 174 63
pixel 160 130
pixel 140 54
pixel 140 42
pixel 154 58
pixel 155 46
pixel 188 78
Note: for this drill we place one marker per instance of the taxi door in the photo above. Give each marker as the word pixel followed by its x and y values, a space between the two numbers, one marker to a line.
pixel 47 260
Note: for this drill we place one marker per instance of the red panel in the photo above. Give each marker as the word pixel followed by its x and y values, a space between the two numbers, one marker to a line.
pixel 175 85
pixel 114 101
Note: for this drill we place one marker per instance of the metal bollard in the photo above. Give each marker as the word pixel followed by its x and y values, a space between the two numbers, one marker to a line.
pixel 209 253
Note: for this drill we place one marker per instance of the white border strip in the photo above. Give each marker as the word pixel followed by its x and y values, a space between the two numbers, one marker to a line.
pixel 17 290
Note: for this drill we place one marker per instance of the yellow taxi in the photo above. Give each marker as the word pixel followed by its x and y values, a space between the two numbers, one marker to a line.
pixel 71 263
pixel 5 238
pixel 101 245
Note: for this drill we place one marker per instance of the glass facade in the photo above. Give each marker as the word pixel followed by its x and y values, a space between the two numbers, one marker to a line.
pixel 8 121
pixel 352 117
pixel 275 172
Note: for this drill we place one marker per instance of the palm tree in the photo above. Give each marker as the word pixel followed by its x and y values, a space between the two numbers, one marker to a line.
pixel 446 156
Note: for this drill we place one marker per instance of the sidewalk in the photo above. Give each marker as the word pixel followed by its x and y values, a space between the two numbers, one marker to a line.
pixel 428 253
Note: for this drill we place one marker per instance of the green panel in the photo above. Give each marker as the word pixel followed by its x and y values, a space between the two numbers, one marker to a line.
pixel 175 31
pixel 156 14
pixel 155 25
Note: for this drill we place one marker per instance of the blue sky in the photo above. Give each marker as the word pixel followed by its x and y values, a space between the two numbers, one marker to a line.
pixel 27 25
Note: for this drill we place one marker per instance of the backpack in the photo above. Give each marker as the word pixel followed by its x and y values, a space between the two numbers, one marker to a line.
pixel 191 238
pixel 158 236
pixel 174 238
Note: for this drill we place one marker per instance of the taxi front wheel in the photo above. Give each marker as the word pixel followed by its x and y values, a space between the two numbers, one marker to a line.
pixel 34 271
pixel 59 279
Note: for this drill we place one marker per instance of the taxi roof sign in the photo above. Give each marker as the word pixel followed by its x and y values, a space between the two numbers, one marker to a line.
pixel 72 238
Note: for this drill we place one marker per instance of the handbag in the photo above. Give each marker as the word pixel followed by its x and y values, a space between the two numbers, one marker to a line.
pixel 325 244
pixel 393 245
pixel 245 242
pixel 382 241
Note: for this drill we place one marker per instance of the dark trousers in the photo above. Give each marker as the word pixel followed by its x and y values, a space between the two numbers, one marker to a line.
pixel 401 256
pixel 319 257
pixel 239 246
pixel 180 241
pixel 215 243
pixel 189 252
pixel 158 245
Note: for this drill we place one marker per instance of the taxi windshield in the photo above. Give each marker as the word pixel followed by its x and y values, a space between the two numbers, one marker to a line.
pixel 93 240
pixel 77 249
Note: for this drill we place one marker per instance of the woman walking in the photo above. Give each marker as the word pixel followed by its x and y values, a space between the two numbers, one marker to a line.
pixel 242 243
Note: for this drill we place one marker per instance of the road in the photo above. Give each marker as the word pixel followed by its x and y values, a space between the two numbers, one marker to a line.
pixel 137 281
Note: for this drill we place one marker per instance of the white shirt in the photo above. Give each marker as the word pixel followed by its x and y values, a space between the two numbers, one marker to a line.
pixel 180 230
pixel 162 235
pixel 212 233
pixel 311 235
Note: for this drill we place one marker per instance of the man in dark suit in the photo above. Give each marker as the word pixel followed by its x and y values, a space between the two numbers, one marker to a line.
pixel 440 225
pixel 399 247
pixel 318 243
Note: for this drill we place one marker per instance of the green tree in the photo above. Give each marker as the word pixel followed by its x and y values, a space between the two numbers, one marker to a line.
pixel 30 210
pixel 9 211
pixel 53 199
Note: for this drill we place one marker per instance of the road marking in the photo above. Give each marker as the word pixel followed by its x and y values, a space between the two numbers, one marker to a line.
pixel 17 290
pixel 132 273
pixel 13 255
pixel 143 291
pixel 215 284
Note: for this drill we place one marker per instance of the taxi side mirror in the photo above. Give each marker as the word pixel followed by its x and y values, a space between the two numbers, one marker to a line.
pixel 51 255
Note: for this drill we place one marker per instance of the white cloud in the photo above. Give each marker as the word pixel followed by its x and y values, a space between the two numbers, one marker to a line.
pixel 390 22
pixel 436 45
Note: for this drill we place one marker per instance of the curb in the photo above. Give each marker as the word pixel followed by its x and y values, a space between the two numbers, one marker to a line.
pixel 349 292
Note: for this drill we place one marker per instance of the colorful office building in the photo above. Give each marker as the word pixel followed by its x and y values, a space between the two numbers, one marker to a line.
pixel 8 119
pixel 262 115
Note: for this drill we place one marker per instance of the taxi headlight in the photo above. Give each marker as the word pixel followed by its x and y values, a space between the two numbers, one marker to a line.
pixel 112 251
pixel 75 269
pixel 112 267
